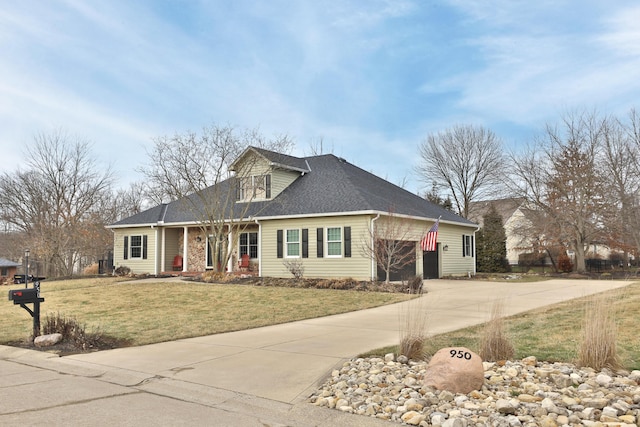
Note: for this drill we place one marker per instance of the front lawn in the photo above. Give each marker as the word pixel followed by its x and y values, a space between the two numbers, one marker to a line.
pixel 144 313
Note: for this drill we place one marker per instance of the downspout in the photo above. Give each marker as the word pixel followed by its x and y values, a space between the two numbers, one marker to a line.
pixel 373 248
pixel 259 247
pixel 475 260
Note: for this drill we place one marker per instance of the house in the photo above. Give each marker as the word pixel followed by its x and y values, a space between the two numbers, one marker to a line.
pixel 518 220
pixel 317 211
pixel 7 270
pixel 515 219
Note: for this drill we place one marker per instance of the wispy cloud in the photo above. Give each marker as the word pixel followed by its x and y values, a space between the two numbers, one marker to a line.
pixel 370 78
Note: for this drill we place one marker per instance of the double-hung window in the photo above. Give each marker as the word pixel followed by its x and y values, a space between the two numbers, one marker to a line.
pixel 293 243
pixel 254 187
pixel 249 244
pixel 334 242
pixel 467 245
pixel 135 247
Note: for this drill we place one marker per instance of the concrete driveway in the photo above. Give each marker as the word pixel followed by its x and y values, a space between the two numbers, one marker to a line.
pixel 271 367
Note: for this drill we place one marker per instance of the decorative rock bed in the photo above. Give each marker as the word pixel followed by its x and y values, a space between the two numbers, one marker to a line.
pixel 524 393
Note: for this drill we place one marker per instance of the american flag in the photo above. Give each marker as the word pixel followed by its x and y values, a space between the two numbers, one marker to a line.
pixel 430 240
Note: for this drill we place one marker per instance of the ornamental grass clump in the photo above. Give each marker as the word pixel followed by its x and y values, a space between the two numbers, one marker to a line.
pixel 72 331
pixel 413 327
pixel 495 344
pixel 597 347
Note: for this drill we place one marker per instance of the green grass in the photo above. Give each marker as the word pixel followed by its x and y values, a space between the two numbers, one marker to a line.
pixel 144 313
pixel 552 333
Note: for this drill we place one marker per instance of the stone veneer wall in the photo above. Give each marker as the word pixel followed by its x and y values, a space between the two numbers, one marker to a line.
pixel 198 251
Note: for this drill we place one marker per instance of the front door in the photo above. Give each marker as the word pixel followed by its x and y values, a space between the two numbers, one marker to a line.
pixel 430 264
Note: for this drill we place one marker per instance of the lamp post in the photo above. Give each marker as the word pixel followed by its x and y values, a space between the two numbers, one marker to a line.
pixel 26 268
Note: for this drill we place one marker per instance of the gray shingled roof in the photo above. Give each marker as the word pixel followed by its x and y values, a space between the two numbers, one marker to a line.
pixel 332 185
pixel 7 263
pixel 283 160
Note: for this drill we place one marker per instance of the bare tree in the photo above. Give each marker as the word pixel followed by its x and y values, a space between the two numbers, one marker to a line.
pixel 561 176
pixel 465 161
pixel 317 148
pixel 56 201
pixel 621 160
pixel 196 170
pixel 129 201
pixel 389 244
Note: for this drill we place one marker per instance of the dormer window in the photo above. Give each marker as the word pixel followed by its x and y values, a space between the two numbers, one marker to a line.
pixel 254 187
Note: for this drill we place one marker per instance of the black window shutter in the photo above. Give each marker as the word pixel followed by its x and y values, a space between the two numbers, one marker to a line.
pixel 305 243
pixel 144 247
pixel 279 240
pixel 267 185
pixel 320 243
pixel 472 245
pixel 126 247
pixel 347 242
pixel 464 251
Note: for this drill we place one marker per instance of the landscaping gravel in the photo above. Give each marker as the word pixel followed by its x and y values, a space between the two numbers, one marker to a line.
pixel 524 393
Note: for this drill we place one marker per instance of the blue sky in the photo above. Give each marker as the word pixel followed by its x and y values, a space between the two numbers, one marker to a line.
pixel 369 78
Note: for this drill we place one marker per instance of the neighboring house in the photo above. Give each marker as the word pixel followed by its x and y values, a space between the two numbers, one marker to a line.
pixel 318 211
pixel 517 220
pixel 7 270
pixel 514 219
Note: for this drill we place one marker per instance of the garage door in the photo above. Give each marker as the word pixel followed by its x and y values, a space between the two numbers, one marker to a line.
pixel 406 272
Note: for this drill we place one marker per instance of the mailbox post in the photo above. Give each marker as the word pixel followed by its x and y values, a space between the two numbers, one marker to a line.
pixel 29 296
pixel 25 296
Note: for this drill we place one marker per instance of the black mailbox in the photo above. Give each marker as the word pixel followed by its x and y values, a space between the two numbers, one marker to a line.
pixel 23 296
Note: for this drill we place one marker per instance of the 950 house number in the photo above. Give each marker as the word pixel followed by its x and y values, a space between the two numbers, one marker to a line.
pixel 460 354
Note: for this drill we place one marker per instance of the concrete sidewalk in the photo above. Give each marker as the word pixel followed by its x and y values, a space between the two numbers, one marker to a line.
pixel 254 377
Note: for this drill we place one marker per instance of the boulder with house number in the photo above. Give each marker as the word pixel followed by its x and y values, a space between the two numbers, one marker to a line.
pixel 455 369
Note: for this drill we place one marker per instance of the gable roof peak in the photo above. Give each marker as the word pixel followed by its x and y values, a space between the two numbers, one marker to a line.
pixel 276 159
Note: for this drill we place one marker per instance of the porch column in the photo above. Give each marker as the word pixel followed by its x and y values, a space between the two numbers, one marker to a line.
pixel 163 251
pixel 185 248
pixel 229 247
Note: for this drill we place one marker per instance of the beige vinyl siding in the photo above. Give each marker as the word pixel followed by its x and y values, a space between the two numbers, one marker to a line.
pixel 357 266
pixel 171 246
pixel 452 263
pixel 281 179
pixel 137 265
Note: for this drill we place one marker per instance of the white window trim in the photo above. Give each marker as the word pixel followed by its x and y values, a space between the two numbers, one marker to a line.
pixel 249 243
pixel 131 246
pixel 249 189
pixel 286 243
pixel 471 240
pixel 326 242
